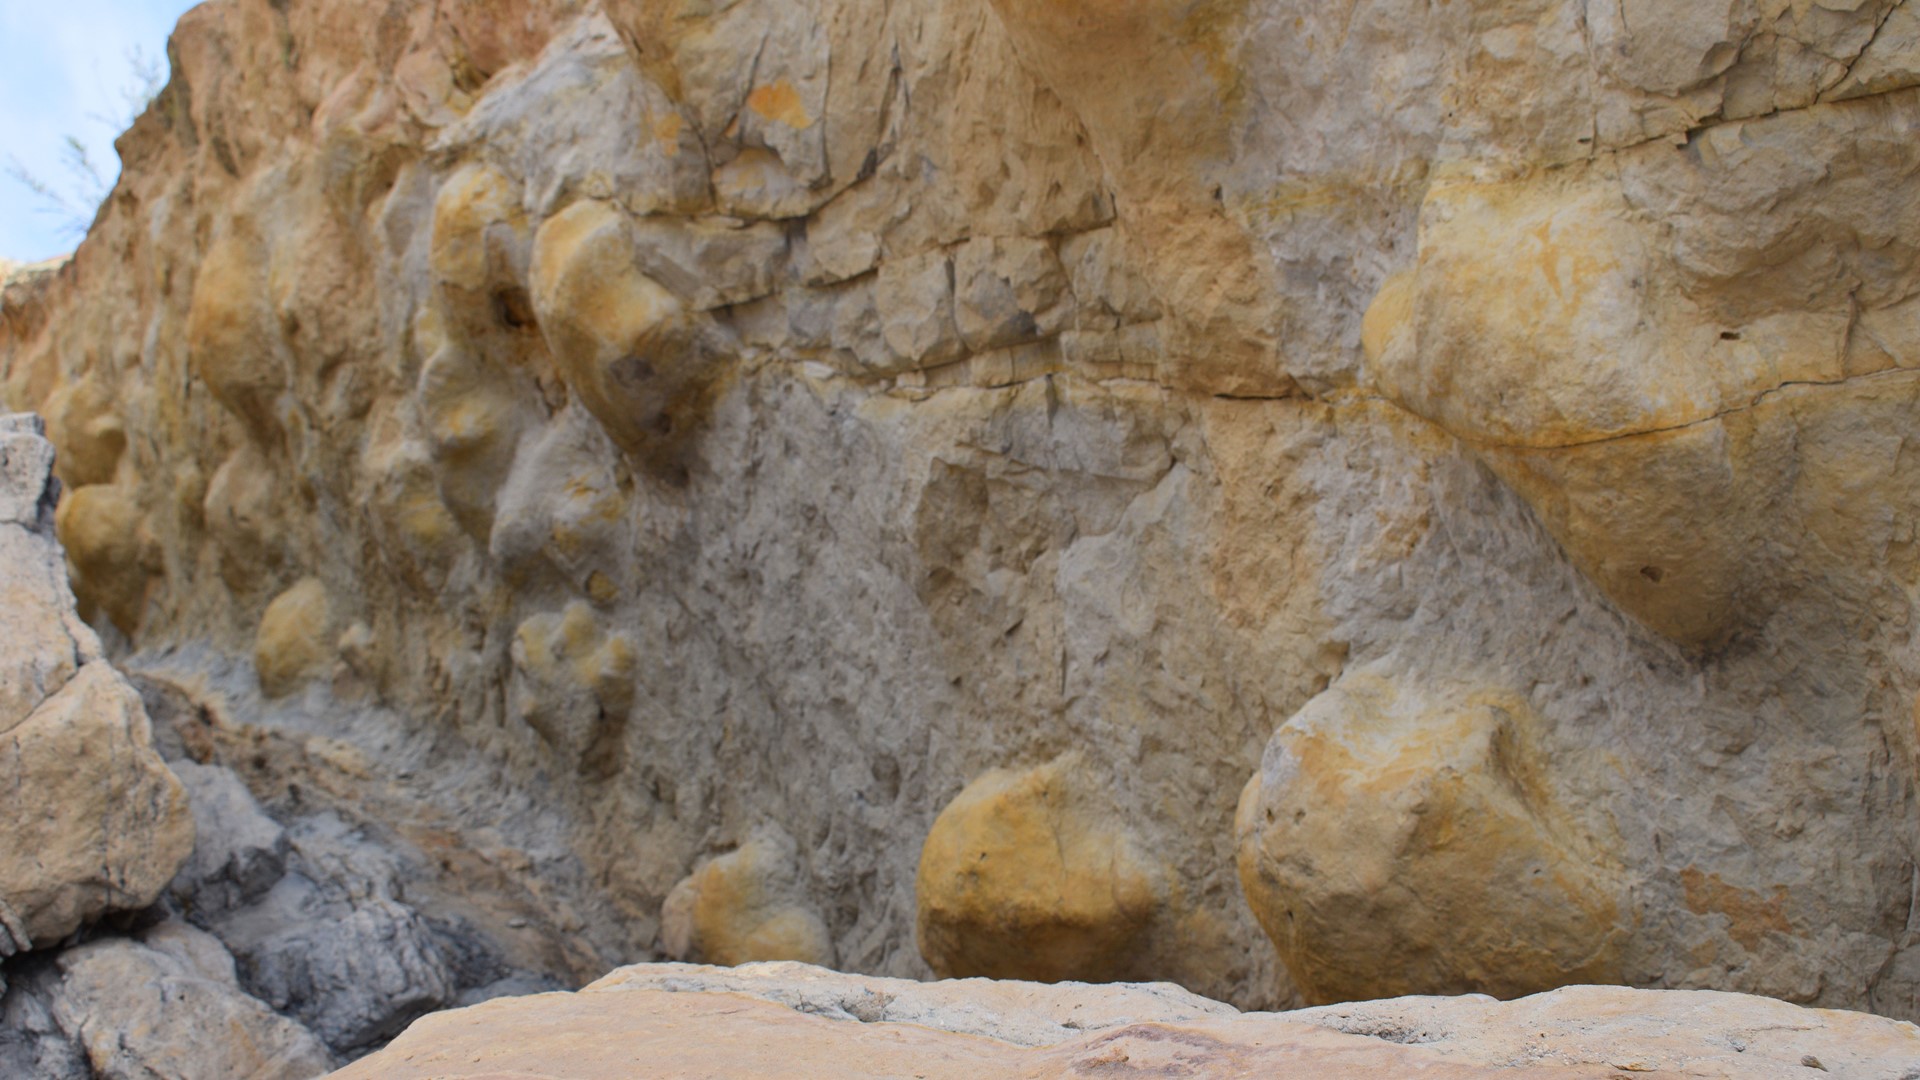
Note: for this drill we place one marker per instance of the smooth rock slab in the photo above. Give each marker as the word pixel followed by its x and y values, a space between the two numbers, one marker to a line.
pixel 781 1020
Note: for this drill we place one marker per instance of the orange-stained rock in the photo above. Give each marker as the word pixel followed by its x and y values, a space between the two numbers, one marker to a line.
pixel 1401 839
pixel 1032 875
pixel 747 905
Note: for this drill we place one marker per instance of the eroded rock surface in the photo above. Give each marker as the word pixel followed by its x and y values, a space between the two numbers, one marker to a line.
pixel 1399 838
pixel 96 822
pixel 567 439
pixel 160 921
pixel 785 1020
pixel 1031 875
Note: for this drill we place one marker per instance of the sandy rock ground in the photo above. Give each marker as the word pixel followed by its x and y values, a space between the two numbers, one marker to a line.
pixel 788 1019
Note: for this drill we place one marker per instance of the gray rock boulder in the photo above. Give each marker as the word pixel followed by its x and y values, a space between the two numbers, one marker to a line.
pixel 239 852
pixel 332 944
pixel 167 1006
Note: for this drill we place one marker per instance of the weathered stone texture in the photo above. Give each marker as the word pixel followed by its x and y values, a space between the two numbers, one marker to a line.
pixel 787 1019
pixel 168 1005
pixel 95 821
pixel 1402 838
pixel 617 429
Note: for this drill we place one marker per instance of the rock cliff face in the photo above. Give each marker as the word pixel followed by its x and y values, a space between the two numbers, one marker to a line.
pixel 1428 486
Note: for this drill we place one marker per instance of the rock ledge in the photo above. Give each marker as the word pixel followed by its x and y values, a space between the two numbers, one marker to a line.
pixel 790 1019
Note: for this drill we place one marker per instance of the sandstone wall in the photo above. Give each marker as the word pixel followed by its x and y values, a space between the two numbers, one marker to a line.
pixel 746 426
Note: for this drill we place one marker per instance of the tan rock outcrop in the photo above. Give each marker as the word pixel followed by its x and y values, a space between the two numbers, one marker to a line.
pixel 1029 875
pixel 1401 840
pixel 745 906
pixel 101 824
pixel 296 638
pixel 785 1020
pixel 96 823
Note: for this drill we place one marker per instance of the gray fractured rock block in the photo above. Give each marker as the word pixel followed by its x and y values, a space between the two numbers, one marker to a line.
pixel 32 1043
pixel 332 944
pixel 238 853
pixel 357 976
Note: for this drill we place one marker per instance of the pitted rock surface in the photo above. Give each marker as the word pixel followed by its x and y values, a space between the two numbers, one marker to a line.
pixel 572 443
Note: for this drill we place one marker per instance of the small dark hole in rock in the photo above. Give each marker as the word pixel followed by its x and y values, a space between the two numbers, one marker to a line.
pixel 630 371
pixel 1653 574
pixel 513 307
pixel 1729 335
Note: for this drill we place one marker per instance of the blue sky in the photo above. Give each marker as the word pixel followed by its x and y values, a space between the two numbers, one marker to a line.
pixel 65 69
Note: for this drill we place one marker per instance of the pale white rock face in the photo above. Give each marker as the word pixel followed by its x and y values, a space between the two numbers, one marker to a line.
pixel 694 417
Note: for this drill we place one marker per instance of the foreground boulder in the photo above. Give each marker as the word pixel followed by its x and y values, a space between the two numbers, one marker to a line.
pixel 95 821
pixel 794 1020
pixel 169 1004
pixel 1026 876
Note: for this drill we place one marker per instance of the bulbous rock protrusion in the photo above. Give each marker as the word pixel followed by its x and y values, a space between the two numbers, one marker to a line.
pixel 84 422
pixel 233 342
pixel 746 906
pixel 111 550
pixel 1532 295
pixel 1398 842
pixel 1684 396
pixel 573 684
pixel 637 358
pixel 564 503
pixel 474 417
pixel 1030 875
pixel 295 639
pixel 479 261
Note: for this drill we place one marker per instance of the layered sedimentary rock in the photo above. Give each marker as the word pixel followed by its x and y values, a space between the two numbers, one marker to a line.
pixel 788 1019
pixel 620 434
